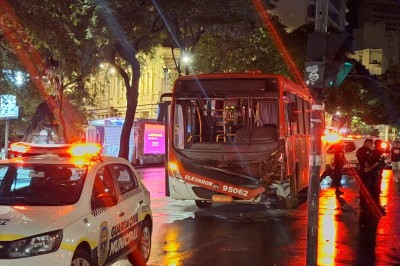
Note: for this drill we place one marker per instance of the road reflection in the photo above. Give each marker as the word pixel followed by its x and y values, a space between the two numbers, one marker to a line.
pixel 327 230
pixel 171 248
pixel 248 235
pixel 341 221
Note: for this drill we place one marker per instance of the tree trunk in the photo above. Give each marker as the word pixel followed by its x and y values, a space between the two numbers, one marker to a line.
pixel 132 100
pixel 42 112
pixel 132 92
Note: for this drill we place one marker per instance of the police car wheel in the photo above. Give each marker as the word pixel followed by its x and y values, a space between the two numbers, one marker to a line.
pixel 81 258
pixel 141 254
pixel 203 204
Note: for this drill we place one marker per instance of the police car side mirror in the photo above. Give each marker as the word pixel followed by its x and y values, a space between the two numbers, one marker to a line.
pixel 105 200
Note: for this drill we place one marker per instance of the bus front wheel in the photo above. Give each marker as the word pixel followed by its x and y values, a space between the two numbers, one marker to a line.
pixel 292 201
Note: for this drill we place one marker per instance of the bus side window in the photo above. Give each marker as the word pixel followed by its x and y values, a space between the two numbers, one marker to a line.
pixel 292 110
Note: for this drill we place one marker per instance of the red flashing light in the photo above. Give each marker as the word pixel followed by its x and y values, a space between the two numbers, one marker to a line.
pixel 253 71
pixel 384 145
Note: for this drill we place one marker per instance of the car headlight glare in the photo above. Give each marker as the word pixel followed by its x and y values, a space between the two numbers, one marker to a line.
pixel 36 245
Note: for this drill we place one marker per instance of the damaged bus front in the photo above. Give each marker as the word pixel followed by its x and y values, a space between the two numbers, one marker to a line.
pixel 238 137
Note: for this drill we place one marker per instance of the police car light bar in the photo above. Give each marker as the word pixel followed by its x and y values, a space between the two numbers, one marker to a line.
pixel 85 149
pixel 74 150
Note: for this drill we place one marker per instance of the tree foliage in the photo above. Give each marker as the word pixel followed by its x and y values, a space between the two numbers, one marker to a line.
pixel 221 36
pixel 366 98
pixel 32 29
pixel 81 33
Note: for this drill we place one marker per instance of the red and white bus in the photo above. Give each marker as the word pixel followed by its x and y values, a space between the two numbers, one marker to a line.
pixel 238 138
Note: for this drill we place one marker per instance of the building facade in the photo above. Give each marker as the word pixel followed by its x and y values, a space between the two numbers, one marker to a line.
pixel 376 47
pixel 387 11
pixel 377 35
pixel 157 74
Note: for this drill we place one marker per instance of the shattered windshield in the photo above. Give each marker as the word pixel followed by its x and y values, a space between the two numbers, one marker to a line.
pixel 41 185
pixel 223 110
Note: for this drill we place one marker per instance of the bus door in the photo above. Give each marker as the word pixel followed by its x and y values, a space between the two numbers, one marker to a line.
pixel 164 114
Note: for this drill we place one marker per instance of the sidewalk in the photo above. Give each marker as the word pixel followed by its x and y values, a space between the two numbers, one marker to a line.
pixel 347 237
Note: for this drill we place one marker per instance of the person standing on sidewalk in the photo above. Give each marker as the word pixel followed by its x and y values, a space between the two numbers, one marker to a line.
pixel 339 160
pixel 395 159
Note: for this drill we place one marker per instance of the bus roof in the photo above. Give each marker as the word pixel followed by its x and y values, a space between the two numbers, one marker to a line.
pixel 275 79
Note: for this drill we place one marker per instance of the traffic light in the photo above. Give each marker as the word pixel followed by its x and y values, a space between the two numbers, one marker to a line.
pixel 326 65
pixel 335 73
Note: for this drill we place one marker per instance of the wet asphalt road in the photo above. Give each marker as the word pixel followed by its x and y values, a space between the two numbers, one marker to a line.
pixel 257 235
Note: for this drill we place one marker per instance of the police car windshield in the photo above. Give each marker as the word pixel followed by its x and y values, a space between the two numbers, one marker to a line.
pixel 40 185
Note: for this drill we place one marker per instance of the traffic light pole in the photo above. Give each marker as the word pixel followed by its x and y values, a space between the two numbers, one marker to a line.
pixel 317 118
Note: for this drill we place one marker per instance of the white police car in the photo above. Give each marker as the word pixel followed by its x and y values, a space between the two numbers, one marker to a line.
pixel 70 207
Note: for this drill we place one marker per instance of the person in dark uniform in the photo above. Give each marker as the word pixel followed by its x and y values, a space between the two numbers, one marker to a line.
pixel 339 160
pixel 377 165
pixel 365 172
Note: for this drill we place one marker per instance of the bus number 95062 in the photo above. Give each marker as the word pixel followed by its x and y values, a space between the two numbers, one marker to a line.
pixel 234 190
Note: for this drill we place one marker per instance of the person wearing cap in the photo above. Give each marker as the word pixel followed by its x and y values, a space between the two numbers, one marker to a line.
pixel 395 159
pixel 339 160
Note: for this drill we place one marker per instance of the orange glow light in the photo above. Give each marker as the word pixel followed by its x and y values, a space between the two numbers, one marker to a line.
pixel 171 248
pixel 332 137
pixel 19 147
pixel 327 230
pixel 85 149
pixel 21 208
pixel 384 145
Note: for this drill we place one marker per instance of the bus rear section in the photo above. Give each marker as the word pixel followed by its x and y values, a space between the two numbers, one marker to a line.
pixel 230 140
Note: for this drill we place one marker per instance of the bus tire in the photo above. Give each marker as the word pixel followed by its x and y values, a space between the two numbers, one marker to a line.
pixel 203 204
pixel 292 201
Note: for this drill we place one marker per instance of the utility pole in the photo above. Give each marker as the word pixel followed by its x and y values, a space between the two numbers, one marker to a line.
pixel 326 68
pixel 317 118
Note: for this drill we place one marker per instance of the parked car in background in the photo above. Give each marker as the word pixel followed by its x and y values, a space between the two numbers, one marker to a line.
pixel 351 145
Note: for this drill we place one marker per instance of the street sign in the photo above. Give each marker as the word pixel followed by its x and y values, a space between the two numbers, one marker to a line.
pixel 8 107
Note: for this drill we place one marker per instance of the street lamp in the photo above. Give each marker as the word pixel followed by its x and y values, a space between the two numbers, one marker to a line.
pixel 186 60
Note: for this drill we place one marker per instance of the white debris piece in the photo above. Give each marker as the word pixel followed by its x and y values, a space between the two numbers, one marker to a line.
pixel 282 189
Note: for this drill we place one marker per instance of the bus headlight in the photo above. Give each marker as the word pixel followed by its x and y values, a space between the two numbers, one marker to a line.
pixel 35 245
pixel 173 167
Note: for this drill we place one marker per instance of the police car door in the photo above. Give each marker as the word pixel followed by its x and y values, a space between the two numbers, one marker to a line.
pixel 130 207
pixel 107 214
